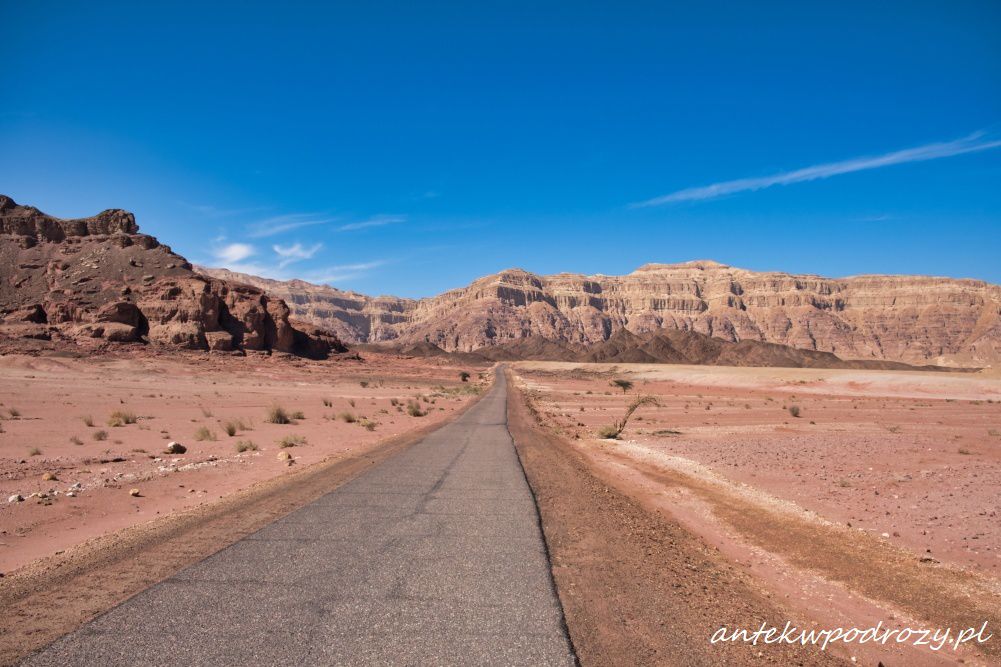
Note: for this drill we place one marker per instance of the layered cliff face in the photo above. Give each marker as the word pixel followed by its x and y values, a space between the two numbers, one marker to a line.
pixel 913 319
pixel 98 279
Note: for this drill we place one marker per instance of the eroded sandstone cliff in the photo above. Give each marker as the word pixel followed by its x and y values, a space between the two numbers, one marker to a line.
pixel 913 319
pixel 98 278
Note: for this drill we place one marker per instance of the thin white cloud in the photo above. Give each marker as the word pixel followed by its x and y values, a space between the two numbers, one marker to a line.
pixel 374 221
pixel 295 253
pixel 280 224
pixel 233 252
pixel 969 144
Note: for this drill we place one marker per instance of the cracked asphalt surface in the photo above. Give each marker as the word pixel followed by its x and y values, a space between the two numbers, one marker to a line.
pixel 433 557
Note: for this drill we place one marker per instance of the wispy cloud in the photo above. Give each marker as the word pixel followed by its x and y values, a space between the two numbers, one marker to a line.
pixel 280 224
pixel 233 252
pixel 295 253
pixel 374 221
pixel 969 144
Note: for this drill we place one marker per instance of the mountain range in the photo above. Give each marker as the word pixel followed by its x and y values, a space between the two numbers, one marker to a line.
pixel 98 280
pixel 913 319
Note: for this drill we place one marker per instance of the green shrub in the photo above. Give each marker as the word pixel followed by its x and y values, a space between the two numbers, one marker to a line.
pixel 203 433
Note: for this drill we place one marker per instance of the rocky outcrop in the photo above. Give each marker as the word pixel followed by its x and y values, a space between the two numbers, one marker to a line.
pixel 912 319
pixel 99 280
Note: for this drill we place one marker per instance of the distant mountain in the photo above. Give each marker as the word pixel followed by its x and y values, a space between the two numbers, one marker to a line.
pixel 97 281
pixel 913 319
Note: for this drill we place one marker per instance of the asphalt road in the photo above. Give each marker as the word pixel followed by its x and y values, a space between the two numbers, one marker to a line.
pixel 433 557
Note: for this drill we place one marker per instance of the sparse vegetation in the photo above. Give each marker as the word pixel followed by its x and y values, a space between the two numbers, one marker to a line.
pixel 414 409
pixel 100 435
pixel 298 414
pixel 203 433
pixel 327 403
pixel 794 410
pixel 278 415
pixel 121 418
pixel 291 441
pixel 614 430
pixel 76 441
pixel 464 376
pixel 624 385
pixel 88 421
pixel 34 451
pixel 367 424
pixel 246 446
pixel 364 384
pixel 964 451
pixel 347 417
pixel 230 428
pixel 14 412
pixel 206 412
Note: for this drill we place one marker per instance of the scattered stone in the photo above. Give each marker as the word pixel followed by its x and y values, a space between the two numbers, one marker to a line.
pixel 134 493
pixel 175 448
pixel 16 498
pixel 71 494
pixel 284 456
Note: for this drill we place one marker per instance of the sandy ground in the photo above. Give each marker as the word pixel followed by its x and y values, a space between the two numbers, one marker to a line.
pixel 76 471
pixel 879 502
pixel 912 456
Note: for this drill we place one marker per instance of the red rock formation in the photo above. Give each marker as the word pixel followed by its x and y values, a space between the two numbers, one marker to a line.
pixel 913 319
pixel 99 278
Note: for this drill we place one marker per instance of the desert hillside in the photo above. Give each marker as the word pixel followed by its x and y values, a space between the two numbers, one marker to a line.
pixel 913 319
pixel 97 280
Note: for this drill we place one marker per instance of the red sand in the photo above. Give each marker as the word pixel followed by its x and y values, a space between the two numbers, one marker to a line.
pixel 173 397
pixel 912 457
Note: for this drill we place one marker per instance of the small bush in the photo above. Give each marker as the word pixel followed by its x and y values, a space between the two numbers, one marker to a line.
pixel 367 424
pixel 14 412
pixel 609 432
pixel 794 410
pixel 230 428
pixel 298 414
pixel 348 417
pixel 414 409
pixel 464 376
pixel 100 435
pixel 246 446
pixel 964 451
pixel 291 441
pixel 203 433
pixel 351 402
pixel 121 418
pixel 34 451
pixel 395 402
pixel 327 403
pixel 624 385
pixel 278 415
pixel 88 421
pixel 364 384
pixel 76 441
pixel 206 412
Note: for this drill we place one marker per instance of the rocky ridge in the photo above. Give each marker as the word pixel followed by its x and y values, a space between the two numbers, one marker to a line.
pixel 98 279
pixel 912 319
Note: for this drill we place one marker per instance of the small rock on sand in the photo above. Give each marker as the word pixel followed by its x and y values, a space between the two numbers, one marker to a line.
pixel 284 456
pixel 134 493
pixel 175 448
pixel 16 498
pixel 49 477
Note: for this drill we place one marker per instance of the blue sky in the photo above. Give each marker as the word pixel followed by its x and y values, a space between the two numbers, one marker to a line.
pixel 408 148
